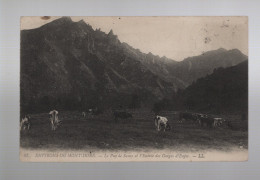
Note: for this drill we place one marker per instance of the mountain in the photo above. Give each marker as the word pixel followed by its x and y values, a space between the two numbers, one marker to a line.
pixel 67 65
pixel 161 66
pixel 225 90
pixel 192 68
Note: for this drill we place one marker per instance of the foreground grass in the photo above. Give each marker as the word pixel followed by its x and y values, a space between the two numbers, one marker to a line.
pixel 102 132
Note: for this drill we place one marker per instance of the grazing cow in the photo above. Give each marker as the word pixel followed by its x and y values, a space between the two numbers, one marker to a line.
pixel 196 117
pixel 122 115
pixel 206 120
pixel 25 124
pixel 199 118
pixel 161 121
pixel 188 116
pixel 218 121
pixel 201 115
pixel 54 119
pixel 84 114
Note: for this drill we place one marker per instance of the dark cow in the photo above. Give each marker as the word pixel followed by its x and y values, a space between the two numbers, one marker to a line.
pixel 188 116
pixel 206 121
pixel 185 116
pixel 198 116
pixel 210 121
pixel 121 115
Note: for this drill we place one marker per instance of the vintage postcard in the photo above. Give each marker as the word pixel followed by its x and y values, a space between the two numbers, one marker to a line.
pixel 111 89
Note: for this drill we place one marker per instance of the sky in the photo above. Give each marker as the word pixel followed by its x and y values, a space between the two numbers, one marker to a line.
pixel 174 37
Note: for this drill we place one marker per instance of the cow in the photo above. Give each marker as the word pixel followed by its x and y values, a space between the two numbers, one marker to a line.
pixel 161 121
pixel 188 117
pixel 54 119
pixel 199 115
pixel 121 115
pixel 218 121
pixel 84 114
pixel 90 113
pixel 196 117
pixel 207 121
pixel 25 124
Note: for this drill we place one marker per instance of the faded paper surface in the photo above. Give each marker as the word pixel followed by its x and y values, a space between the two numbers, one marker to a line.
pixel 128 156
pixel 110 77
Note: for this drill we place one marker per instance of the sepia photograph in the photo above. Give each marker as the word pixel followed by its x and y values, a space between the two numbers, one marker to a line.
pixel 124 89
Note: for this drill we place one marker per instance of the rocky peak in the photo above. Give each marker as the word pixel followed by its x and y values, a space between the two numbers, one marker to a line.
pixel 64 19
pixel 111 33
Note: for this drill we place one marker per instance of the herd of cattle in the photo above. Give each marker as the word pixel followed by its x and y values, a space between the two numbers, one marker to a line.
pixel 202 119
pixel 25 123
pixel 161 123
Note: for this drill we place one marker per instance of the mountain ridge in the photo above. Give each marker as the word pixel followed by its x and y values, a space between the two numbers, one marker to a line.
pixel 225 90
pixel 65 62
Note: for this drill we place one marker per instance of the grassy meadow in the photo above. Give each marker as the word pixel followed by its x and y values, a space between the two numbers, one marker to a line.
pixel 101 132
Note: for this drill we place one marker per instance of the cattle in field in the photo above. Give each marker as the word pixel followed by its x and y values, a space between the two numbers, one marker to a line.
pixel 25 123
pixel 160 122
pixel 185 116
pixel 121 115
pixel 89 113
pixel 218 121
pixel 55 122
pixel 209 121
pixel 200 116
pixel 206 121
pixel 93 111
pixel 84 114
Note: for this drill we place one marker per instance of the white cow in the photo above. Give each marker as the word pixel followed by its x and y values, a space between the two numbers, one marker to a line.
pixel 25 124
pixel 84 114
pixel 161 121
pixel 54 119
pixel 218 121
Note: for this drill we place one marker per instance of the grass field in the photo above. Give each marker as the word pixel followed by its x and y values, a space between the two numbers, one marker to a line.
pixel 101 132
